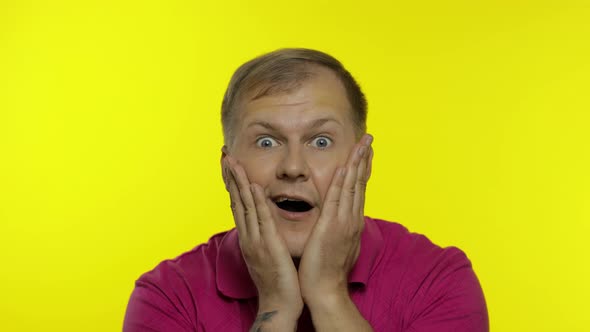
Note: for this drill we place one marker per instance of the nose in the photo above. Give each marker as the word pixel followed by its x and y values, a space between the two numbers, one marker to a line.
pixel 293 165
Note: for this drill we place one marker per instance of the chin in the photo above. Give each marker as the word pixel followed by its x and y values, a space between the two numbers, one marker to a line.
pixel 295 249
pixel 295 237
pixel 295 233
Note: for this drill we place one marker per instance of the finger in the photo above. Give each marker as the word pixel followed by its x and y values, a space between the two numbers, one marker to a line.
pixel 225 174
pixel 268 231
pixel 247 200
pixel 363 175
pixel 349 187
pixel 361 186
pixel 237 207
pixel 267 225
pixel 332 200
pixel 369 143
pixel 370 165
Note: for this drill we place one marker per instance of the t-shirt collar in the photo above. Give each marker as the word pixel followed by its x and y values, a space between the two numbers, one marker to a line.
pixel 233 279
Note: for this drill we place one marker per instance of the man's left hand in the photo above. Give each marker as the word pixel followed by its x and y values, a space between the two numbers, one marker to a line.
pixel 334 244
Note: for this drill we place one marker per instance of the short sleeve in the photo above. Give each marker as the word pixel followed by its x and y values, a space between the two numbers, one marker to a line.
pixel 449 298
pixel 160 303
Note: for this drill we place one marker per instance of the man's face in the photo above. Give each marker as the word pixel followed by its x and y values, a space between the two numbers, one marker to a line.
pixel 291 144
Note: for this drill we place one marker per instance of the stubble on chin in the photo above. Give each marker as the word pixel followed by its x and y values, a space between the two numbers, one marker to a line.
pixel 295 241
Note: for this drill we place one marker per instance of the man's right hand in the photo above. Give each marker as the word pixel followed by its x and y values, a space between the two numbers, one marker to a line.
pixel 267 257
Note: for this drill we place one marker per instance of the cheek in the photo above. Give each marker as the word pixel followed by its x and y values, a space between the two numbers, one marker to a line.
pixel 323 168
pixel 322 173
pixel 259 170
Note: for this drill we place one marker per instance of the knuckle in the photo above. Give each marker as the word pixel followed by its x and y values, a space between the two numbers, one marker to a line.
pixel 361 187
pixel 246 252
pixel 243 188
pixel 363 182
pixel 249 209
pixel 335 201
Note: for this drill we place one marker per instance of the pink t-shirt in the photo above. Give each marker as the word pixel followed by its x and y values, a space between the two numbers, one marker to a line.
pixel 400 282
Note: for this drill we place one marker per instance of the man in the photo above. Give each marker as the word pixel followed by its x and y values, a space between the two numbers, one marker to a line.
pixel 303 256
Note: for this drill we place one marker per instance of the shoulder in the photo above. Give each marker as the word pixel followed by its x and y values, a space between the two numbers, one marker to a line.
pixel 193 265
pixel 414 252
pixel 435 286
pixel 166 298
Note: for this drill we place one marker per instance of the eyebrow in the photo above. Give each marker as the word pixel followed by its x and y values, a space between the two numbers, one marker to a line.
pixel 314 125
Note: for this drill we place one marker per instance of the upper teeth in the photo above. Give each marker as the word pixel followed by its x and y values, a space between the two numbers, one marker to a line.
pixel 282 199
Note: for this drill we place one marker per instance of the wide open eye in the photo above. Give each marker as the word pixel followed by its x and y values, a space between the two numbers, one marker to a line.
pixel 321 142
pixel 266 142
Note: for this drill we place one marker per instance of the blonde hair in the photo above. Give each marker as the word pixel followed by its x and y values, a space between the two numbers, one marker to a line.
pixel 282 71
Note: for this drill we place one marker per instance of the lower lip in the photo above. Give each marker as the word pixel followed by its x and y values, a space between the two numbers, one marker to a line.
pixel 293 216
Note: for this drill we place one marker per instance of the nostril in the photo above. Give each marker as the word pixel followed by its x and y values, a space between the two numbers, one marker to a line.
pixel 293 173
pixel 293 165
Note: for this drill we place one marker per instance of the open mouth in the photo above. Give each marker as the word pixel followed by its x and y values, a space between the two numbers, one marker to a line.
pixel 292 205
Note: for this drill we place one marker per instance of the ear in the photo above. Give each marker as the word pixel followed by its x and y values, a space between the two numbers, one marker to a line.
pixel 224 153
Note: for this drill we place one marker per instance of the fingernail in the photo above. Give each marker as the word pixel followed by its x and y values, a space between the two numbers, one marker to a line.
pixel 341 171
pixel 370 139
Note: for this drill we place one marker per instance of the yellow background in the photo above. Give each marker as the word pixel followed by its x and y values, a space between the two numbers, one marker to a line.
pixel 110 141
